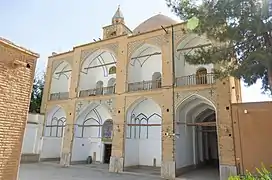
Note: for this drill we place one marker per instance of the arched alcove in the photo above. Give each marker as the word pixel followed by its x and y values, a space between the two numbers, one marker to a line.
pixel 184 72
pixel 61 80
pixel 143 134
pixel 144 62
pixel 201 76
pixel 88 133
pixel 98 65
pixel 99 88
pixel 55 122
pixel 196 126
pixel 156 80
pixel 111 86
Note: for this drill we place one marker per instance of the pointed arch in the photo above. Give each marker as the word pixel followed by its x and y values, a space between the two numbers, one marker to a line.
pixel 61 78
pixel 55 122
pixel 144 62
pixel 96 65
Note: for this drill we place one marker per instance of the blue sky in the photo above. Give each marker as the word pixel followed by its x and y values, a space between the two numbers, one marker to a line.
pixel 50 25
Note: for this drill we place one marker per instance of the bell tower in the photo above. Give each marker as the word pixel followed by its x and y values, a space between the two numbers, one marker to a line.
pixel 117 27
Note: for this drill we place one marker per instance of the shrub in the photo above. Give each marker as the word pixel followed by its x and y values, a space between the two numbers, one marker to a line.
pixel 263 174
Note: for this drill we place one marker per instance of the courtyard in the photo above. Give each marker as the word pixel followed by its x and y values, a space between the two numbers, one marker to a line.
pixel 45 171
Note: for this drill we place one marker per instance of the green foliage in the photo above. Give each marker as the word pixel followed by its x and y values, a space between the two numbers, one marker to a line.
pixel 36 95
pixel 242 31
pixel 263 174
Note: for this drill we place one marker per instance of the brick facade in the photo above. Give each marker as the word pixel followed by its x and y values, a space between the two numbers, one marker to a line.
pixel 17 67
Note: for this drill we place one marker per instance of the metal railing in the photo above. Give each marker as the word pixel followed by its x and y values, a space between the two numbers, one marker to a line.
pixel 59 96
pixel 97 91
pixel 195 80
pixel 144 85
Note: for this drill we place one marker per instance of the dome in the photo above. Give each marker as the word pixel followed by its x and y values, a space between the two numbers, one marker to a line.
pixel 155 22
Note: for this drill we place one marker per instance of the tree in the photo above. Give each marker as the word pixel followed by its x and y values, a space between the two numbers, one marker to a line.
pixel 36 95
pixel 242 30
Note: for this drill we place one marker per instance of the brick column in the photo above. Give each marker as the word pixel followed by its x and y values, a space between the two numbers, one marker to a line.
pixel 68 137
pixel 168 167
pixel 117 155
pixel 225 129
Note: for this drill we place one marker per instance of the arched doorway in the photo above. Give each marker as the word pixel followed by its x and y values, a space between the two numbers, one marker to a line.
pixel 143 135
pixel 88 133
pixel 111 86
pixel 53 134
pixel 196 146
pixel 156 80
pixel 201 76
pixel 107 133
pixel 99 88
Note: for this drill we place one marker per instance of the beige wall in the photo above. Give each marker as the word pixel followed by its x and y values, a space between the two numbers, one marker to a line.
pixel 252 126
pixel 16 84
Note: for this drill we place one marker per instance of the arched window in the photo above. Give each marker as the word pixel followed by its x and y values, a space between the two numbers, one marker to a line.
pixel 112 70
pixel 201 76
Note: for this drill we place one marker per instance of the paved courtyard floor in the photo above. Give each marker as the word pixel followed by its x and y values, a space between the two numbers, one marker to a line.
pixel 46 171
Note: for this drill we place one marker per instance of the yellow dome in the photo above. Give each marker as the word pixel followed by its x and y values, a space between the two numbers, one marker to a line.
pixel 155 22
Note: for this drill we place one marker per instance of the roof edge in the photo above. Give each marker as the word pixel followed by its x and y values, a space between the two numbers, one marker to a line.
pixel 20 48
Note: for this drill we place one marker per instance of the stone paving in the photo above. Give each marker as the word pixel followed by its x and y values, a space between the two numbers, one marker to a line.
pixel 46 171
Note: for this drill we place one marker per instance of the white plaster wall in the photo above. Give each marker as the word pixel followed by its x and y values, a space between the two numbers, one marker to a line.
pixel 51 144
pixel 142 69
pixel 89 77
pixel 140 150
pixel 61 78
pixel 51 147
pixel 91 141
pixel 33 134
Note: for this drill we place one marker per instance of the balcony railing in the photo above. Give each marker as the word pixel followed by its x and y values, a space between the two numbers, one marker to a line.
pixel 195 80
pixel 144 85
pixel 97 92
pixel 59 96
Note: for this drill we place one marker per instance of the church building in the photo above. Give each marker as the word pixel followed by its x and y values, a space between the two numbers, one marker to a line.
pixel 130 100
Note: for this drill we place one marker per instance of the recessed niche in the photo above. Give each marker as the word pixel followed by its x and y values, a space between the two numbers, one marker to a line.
pixel 227 108
pixel 167 110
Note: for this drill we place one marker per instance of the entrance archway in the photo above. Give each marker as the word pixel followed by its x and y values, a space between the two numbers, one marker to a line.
pixel 143 135
pixel 88 134
pixel 196 146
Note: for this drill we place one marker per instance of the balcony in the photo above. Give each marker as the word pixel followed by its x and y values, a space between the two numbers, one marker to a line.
pixel 195 80
pixel 144 85
pixel 59 96
pixel 97 92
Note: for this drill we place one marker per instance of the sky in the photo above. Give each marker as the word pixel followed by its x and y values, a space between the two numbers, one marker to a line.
pixel 57 26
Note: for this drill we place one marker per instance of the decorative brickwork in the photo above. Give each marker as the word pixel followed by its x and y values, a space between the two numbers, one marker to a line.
pixel 17 71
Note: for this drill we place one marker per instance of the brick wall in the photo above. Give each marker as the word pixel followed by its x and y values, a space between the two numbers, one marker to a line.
pixel 15 88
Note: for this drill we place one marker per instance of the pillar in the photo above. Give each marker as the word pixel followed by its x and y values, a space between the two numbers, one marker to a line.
pixel 118 141
pixel 117 155
pixel 225 129
pixel 67 141
pixel 168 167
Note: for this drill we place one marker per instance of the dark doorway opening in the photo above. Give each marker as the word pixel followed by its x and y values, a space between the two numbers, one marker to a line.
pixel 107 153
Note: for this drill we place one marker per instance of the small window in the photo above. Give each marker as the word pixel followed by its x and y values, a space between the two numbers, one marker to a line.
pixel 112 70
